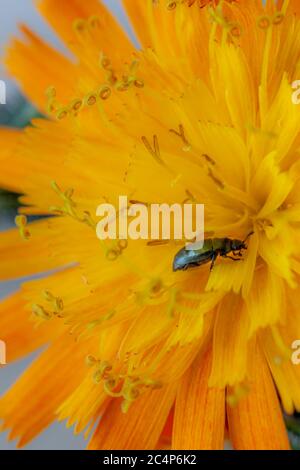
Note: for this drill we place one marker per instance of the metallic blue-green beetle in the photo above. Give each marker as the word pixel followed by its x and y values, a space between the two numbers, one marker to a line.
pixel 212 248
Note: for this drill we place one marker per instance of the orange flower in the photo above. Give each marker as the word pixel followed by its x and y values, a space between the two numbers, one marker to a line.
pixel 157 358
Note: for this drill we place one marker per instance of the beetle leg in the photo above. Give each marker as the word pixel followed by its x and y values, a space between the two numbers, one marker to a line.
pixel 233 259
pixel 213 260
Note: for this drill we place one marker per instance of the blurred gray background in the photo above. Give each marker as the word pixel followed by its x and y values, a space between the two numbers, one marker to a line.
pixel 17 112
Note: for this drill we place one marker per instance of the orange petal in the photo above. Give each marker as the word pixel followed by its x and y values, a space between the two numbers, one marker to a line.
pixel 21 336
pixel 230 343
pixel 109 34
pixel 140 427
pixel 34 58
pixel 256 421
pixel 199 420
pixel 30 405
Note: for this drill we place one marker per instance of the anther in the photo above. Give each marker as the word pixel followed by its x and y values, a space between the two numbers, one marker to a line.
pixel 40 312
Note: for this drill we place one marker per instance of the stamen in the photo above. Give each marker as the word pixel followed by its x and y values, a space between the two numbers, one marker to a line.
pixel 181 135
pixel 155 151
pixel 40 312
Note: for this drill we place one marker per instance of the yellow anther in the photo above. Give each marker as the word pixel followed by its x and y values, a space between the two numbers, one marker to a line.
pixel 62 113
pixel 21 223
pixel 104 92
pixel 40 312
pixel 264 22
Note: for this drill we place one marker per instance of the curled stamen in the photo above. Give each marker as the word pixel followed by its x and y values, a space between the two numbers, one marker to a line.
pixel 264 22
pixel 76 104
pixel 79 25
pixel 235 30
pixel 122 244
pixel 172 4
pixel 94 21
pixel 51 92
pixel 278 18
pixel 91 361
pixel 105 62
pixel 139 83
pixel 62 113
pixel 104 92
pixel 113 254
pixel 90 99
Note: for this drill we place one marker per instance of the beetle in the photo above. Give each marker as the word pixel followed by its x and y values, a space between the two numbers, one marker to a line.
pixel 212 248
